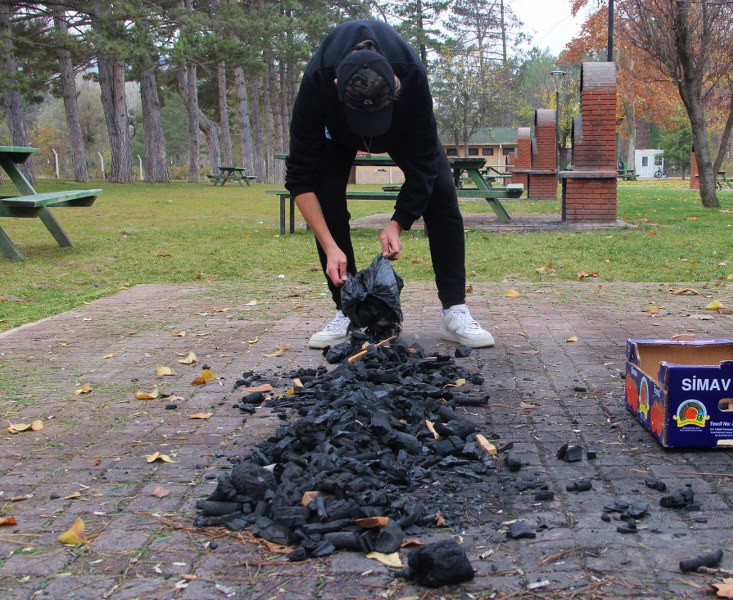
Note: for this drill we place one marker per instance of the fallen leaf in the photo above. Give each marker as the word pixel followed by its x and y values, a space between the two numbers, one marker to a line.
pixel 72 496
pixel 251 303
pixel 152 394
pixel 686 292
pixel 157 456
pixel 275 548
pixel 74 535
pixel 110 355
pixel 527 406
pixel 512 294
pixel 254 341
pixel 390 560
pixel 203 416
pixel 85 389
pixel 440 519
pixel 36 425
pixel 715 305
pixel 583 275
pixel 21 498
pixel 179 334
pixel 572 339
pixel 652 309
pixel 8 521
pixel 724 589
pixel 162 371
pixel 469 288
pixel 265 387
pixel 459 383
pixel 729 276
pixel 278 351
pixel 204 378
pixel 160 492
pixel 702 317
pixel 189 360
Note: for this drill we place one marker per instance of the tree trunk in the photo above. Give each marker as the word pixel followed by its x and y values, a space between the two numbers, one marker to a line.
pixel 12 100
pixel 277 168
pixel 258 156
pixel 243 112
pixel 206 125
pixel 630 126
pixel 226 134
pixel 156 163
pixel 194 160
pixel 267 93
pixel 71 105
pixel 114 104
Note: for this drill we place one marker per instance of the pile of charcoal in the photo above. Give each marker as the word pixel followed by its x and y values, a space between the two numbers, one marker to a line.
pixel 373 450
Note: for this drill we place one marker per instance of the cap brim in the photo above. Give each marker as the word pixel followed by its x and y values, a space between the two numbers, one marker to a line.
pixel 369 124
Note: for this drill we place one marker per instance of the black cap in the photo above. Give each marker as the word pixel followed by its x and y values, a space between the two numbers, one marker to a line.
pixel 366 86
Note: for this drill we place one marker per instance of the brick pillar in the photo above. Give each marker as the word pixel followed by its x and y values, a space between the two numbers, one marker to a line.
pixel 542 183
pixel 694 173
pixel 589 190
pixel 522 156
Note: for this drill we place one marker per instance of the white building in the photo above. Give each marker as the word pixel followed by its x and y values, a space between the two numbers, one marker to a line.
pixel 648 162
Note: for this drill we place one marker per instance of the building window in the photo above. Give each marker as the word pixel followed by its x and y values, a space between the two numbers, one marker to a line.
pixel 507 151
pixel 658 160
pixel 451 151
pixel 644 161
pixel 487 151
pixel 473 151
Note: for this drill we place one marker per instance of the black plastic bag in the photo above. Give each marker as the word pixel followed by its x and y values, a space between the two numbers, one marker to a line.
pixel 371 299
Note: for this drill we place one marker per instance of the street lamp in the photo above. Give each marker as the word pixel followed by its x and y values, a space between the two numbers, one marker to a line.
pixel 558 74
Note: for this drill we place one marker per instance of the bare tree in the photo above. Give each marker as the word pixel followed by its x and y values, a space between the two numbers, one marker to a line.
pixel 692 44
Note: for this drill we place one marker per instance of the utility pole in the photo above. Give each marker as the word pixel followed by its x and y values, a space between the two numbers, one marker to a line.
pixel 610 31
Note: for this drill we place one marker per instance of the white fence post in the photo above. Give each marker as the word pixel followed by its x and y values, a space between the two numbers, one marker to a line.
pixel 140 160
pixel 101 161
pixel 55 162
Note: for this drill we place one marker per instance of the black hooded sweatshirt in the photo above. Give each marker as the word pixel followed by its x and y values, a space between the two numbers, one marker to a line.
pixel 411 141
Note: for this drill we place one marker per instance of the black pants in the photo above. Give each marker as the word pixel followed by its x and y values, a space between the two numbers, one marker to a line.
pixel 442 217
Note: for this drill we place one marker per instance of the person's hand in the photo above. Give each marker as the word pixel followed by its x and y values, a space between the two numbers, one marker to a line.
pixel 390 239
pixel 336 267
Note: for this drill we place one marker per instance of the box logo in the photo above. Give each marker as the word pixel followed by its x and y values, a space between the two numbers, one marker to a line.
pixel 691 412
pixel 644 398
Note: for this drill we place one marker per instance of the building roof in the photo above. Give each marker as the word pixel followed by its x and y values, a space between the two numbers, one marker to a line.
pixel 486 136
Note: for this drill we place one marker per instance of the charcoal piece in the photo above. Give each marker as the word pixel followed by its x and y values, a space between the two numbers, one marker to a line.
pixel 389 539
pixel 338 353
pixel 618 506
pixel 606 517
pixel 513 462
pixel 710 560
pixel 625 529
pixel 519 530
pixel 544 496
pixel 655 484
pixel 462 352
pixel 171 406
pixel 297 555
pixel 320 528
pixel 681 498
pixel 371 298
pixel 224 489
pixel 325 548
pixel 591 454
pixel 344 540
pixel 253 398
pixel 466 400
pixel 271 531
pixel 236 523
pixel 580 388
pixel 530 483
pixel 438 564
pixel 505 447
pixel 638 510
pixel 252 480
pixel 581 485
pixel 215 508
pixel 413 515
pixel 562 451
pixel 290 516
pixel 573 453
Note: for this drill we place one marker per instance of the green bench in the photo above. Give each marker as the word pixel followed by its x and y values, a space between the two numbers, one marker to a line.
pixel 721 179
pixel 37 205
pixel 492 196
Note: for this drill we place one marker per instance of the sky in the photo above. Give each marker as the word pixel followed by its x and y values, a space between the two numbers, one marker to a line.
pixel 548 21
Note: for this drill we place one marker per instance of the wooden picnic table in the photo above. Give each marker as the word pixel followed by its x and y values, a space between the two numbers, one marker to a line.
pixel 31 204
pixel 237 174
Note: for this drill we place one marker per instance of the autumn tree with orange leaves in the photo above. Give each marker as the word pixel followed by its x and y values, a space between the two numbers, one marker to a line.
pixel 688 43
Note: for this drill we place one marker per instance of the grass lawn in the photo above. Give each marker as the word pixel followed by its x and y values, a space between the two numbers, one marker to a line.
pixel 183 233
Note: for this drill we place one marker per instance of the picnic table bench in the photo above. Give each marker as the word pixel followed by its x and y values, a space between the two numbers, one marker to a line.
pixel 32 204
pixel 234 173
pixel 721 179
pixel 627 174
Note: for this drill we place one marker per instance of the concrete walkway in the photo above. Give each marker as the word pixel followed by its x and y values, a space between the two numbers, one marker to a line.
pixel 89 459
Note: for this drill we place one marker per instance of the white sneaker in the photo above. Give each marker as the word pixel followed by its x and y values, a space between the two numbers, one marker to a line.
pixel 457 325
pixel 335 332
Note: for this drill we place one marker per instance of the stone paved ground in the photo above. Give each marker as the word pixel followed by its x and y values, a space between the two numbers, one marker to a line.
pixel 90 454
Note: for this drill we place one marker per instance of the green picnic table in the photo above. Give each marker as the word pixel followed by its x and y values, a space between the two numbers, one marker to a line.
pixel 31 204
pixel 237 174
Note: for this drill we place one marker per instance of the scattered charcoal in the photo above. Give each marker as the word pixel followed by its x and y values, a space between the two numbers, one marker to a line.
pixel 353 443
pixel 681 498
pixel 298 555
pixel 581 485
pixel 606 517
pixel 338 353
pixel 519 530
pixel 438 564
pixel 710 560
pixel 638 510
pixel 463 352
pixel 562 451
pixel 544 496
pixel 532 482
pixel 627 529
pixel 700 520
pixel 573 453
pixel 655 484
pixel 513 462
pixel 171 406
pixel 505 447
pixel 213 545
pixel 253 398
pixel 591 454
pixel 54 496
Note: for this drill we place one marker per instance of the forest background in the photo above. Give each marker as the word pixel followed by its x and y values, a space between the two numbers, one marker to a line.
pixel 173 89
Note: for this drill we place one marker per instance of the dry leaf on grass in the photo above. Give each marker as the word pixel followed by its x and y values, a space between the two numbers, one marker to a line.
pixel 459 383
pixel 572 339
pixel 254 341
pixel 714 305
pixel 74 535
pixel 651 309
pixel 512 294
pixel 685 292
pixel 204 378
pixel 151 394
pixel 723 589
pixel 110 355
pixel 251 303
pixel 157 456
pixel 189 360
pixel 163 371
pixel 390 560
pixel 36 425
pixel 278 351
pixel 584 275
pixel 179 334
pixel 8 521
pixel 203 416
pixel 85 389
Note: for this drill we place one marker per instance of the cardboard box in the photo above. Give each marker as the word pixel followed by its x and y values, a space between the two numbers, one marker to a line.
pixel 682 390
